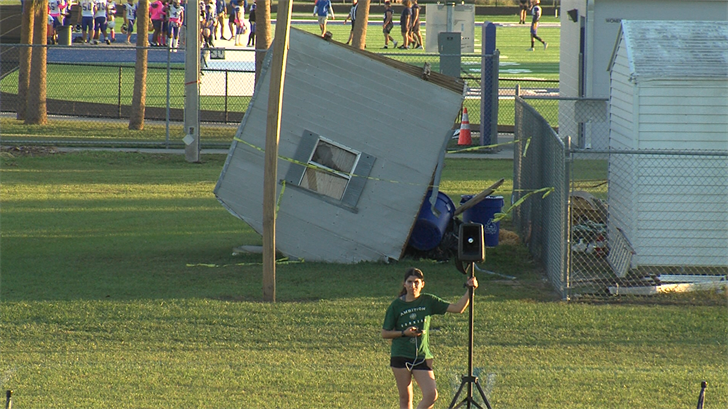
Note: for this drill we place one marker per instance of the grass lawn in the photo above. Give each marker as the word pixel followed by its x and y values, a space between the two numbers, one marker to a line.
pixel 119 290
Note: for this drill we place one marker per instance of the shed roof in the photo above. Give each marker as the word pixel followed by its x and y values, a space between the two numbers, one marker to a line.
pixel 674 49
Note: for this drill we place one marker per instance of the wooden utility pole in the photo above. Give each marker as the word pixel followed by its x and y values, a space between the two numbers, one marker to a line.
pixel 272 135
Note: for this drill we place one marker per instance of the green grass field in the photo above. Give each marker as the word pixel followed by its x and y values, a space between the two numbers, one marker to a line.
pixel 119 290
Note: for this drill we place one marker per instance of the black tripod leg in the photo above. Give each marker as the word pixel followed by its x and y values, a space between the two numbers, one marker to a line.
pixel 455 399
pixel 482 395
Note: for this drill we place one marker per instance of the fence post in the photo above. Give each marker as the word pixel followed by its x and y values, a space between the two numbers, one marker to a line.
pixel 169 73
pixel 566 229
pixel 118 99
pixel 226 96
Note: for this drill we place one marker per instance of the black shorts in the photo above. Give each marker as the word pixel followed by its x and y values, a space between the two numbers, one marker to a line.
pixel 406 363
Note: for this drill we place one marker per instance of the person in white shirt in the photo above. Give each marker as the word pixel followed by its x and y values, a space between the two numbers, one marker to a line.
pixel 111 19
pixel 100 22
pixel 176 18
pixel 55 11
pixel 130 12
pixel 536 13
pixel 88 9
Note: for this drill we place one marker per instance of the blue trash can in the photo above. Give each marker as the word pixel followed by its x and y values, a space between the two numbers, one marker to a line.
pixel 483 213
pixel 429 228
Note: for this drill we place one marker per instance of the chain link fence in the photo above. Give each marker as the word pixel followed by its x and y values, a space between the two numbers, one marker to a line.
pixel 89 85
pixel 540 162
pixel 621 222
pixel 663 226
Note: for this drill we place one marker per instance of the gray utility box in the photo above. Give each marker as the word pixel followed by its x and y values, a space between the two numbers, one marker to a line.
pixel 449 49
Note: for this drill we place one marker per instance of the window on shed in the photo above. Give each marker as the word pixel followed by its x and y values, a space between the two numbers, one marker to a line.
pixel 330 169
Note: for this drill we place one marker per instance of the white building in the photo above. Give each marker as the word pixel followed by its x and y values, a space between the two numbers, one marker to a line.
pixel 669 91
pixel 589 30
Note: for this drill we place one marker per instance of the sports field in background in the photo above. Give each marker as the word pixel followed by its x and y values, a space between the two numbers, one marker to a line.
pixel 99 81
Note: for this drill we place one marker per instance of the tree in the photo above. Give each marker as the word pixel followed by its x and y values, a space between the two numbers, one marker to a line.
pixel 360 29
pixel 263 37
pixel 26 37
pixel 35 108
pixel 139 98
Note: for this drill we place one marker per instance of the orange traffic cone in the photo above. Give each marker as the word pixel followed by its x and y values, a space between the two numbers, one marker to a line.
pixel 464 138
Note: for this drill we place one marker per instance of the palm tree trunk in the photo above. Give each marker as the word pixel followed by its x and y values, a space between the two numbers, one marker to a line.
pixel 360 29
pixel 35 108
pixel 263 36
pixel 138 102
pixel 26 35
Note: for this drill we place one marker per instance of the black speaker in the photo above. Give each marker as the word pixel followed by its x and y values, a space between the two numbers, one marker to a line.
pixel 471 245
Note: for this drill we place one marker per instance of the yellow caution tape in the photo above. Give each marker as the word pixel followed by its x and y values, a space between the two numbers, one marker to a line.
pixel 475 148
pixel 546 191
pixel 283 261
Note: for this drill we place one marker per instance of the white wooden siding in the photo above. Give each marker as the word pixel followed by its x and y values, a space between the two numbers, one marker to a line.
pixel 674 209
pixel 363 104
pixel 621 109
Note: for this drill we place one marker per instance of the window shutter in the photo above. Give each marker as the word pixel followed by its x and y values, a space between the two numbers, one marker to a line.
pixel 358 180
pixel 302 155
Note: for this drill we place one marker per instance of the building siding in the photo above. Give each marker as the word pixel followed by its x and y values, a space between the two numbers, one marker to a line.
pixel 338 93
pixel 672 208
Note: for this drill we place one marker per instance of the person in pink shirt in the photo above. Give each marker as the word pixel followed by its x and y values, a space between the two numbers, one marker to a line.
pixel 157 14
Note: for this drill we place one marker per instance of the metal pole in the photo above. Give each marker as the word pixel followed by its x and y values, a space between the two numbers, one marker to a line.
pixel 226 94
pixel 169 72
pixel 566 229
pixel 450 9
pixel 192 84
pixel 118 100
pixel 470 330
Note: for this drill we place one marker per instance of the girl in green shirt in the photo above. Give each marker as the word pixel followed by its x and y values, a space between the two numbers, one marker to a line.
pixel 407 324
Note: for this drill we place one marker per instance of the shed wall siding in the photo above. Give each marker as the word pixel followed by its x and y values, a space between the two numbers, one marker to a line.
pixel 687 114
pixel 621 109
pixel 681 221
pixel 621 127
pixel 335 92
pixel 673 209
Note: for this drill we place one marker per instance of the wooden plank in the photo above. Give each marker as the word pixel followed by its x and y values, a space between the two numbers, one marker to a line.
pixel 273 125
pixel 667 288
pixel 478 198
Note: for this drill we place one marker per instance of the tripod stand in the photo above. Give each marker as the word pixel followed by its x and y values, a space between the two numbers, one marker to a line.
pixel 469 380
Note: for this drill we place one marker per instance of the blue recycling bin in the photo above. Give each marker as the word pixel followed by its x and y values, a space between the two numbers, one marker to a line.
pixel 483 213
pixel 429 228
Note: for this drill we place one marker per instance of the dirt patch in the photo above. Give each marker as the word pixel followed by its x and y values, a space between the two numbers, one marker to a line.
pixel 15 151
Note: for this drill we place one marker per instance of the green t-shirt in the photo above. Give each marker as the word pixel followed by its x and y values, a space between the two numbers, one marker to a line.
pixel 402 314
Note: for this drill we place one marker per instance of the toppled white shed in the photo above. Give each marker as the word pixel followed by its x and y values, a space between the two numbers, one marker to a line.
pixel 669 91
pixel 361 138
